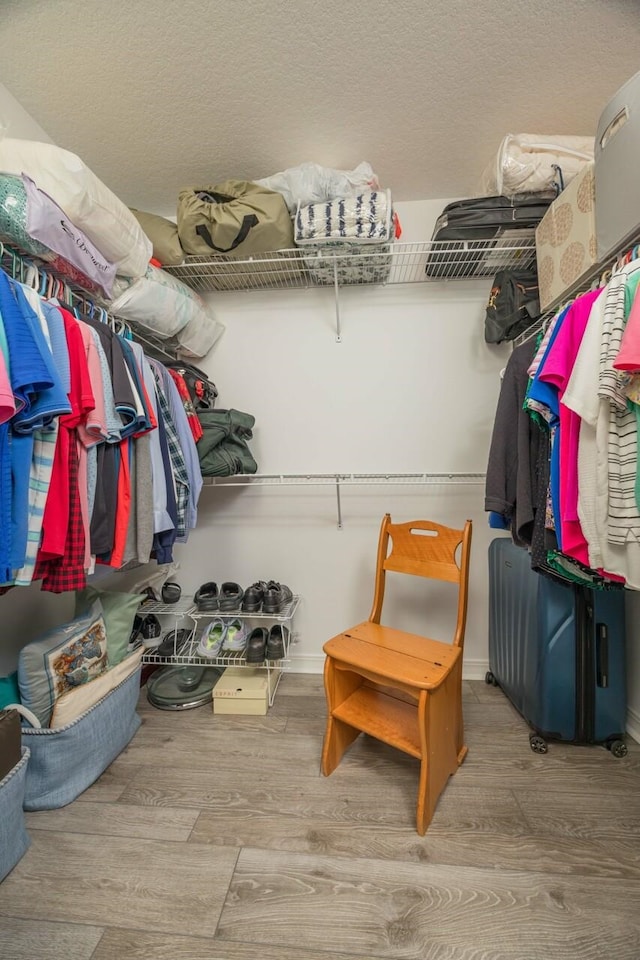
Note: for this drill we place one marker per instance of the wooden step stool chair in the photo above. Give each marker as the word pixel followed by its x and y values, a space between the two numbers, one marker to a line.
pixel 401 688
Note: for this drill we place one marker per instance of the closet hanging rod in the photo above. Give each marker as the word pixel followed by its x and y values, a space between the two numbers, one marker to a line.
pixel 70 294
pixel 322 479
pixel 601 272
pixel 338 480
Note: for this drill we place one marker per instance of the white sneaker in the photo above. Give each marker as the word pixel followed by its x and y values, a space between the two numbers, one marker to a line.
pixel 236 636
pixel 212 638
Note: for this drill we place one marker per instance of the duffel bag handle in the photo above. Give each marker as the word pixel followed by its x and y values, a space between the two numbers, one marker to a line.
pixel 248 222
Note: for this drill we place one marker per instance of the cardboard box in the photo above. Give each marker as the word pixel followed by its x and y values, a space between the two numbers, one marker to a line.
pixel 244 690
pixel 566 238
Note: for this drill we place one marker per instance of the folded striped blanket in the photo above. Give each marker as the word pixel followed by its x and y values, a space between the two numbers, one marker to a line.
pixel 365 218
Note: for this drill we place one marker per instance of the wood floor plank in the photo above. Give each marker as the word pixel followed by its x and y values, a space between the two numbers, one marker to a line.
pixel 301 685
pixel 109 786
pixel 170 748
pixel 486 693
pixel 29 939
pixel 428 911
pixel 302 707
pixel 190 722
pixel 469 691
pixel 565 766
pixel 142 945
pixel 144 884
pixel 116 820
pixel 240 792
pixel 603 819
pixel 305 726
pixel 470 827
pixel 492 715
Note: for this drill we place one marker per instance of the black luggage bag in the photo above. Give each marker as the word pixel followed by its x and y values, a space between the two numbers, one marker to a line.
pixel 474 228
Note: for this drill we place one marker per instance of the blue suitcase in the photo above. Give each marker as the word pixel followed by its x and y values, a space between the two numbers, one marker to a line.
pixel 557 651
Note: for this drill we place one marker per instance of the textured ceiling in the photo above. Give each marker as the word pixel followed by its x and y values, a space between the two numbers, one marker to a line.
pixel 159 95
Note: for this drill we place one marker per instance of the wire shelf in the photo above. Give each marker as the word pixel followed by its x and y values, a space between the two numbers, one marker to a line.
pixel 188 654
pixel 391 263
pixel 183 608
pixel 322 479
pixel 285 614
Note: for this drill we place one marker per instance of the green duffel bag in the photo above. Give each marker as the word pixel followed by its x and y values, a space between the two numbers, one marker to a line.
pixel 236 217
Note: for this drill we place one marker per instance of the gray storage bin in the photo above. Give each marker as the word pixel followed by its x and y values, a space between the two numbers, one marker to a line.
pixel 67 760
pixel 14 839
pixel 617 152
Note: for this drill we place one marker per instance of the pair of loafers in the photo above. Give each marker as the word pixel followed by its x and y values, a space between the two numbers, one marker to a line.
pixel 228 598
pixel 264 644
pixel 267 596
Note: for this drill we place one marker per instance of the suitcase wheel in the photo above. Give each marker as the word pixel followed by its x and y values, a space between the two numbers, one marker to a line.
pixel 618 748
pixel 537 743
pixel 490 679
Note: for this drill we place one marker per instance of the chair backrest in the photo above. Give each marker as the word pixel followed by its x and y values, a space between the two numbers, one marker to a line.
pixel 424 549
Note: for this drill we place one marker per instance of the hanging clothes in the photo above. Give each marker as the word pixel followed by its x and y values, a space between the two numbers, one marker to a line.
pixel 88 426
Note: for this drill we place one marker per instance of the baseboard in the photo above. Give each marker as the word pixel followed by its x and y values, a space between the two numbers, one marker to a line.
pixel 474 669
pixel 633 724
pixel 314 663
pixel 309 663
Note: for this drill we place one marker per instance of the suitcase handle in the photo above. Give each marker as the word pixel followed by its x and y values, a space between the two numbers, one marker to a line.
pixel 602 655
pixel 613 126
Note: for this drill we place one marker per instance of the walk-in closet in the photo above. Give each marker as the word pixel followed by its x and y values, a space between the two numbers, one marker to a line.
pixel 319 496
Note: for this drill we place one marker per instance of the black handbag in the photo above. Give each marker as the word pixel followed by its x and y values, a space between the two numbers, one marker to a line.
pixel 514 304
pixel 203 392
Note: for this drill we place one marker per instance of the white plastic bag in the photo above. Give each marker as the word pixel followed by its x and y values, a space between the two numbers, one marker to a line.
pixel 311 183
pixel 530 163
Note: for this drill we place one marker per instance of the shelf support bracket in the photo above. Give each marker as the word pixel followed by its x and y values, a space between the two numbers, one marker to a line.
pixel 338 503
pixel 336 287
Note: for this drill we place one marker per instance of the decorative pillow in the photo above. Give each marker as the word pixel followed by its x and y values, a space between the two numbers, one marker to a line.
pixel 158 301
pixel 64 657
pixel 74 703
pixel 118 610
pixel 163 235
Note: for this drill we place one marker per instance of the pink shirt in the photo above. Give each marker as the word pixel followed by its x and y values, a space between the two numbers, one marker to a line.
pixel 629 354
pixel 557 371
pixel 95 428
pixel 7 400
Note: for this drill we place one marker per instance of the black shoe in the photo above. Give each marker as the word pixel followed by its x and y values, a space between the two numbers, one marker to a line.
pixel 151 628
pixel 276 597
pixel 277 642
pixel 173 643
pixel 256 645
pixel 171 592
pixel 253 596
pixel 150 596
pixel 206 597
pixel 231 595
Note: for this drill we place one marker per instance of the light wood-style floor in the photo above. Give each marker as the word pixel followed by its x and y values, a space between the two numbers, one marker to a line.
pixel 216 838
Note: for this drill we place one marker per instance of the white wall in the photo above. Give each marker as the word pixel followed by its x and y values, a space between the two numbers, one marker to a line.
pixel 412 387
pixel 16 122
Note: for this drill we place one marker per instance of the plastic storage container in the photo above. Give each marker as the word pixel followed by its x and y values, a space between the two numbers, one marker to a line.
pixel 616 170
